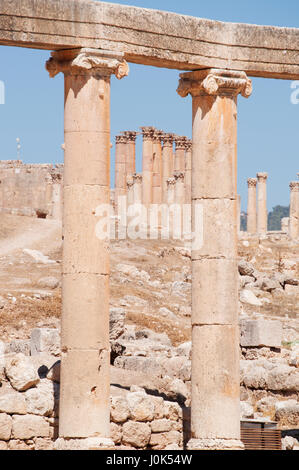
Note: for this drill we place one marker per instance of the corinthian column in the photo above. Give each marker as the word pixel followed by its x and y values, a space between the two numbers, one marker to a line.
pixel 147 165
pixel 251 206
pixel 167 164
pixel 180 147
pixel 130 152
pixel 188 171
pixel 294 210
pixel 215 407
pixel 262 213
pixel 157 167
pixel 84 416
pixel 120 167
pixel 137 187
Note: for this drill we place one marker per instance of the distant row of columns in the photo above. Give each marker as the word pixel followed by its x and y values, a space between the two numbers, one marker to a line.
pixel 166 174
pixel 257 215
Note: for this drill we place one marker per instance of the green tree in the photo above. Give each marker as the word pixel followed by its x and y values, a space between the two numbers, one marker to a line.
pixel 274 217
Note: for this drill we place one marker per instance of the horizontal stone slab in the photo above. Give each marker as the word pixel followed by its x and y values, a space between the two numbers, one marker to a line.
pixel 151 37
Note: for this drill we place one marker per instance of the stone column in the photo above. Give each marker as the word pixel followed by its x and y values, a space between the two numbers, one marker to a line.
pixel 120 167
pixel 57 200
pixel 130 152
pixel 171 191
pixel 215 407
pixel 137 187
pixel 262 212
pixel 84 416
pixel 179 197
pixel 147 165
pixel 167 164
pixel 251 206
pixel 180 148
pixel 188 171
pixel 157 167
pixel 130 190
pixel 294 210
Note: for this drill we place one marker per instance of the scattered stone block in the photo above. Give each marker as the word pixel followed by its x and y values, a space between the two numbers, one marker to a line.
pixel 29 426
pixel 5 427
pixel 45 340
pixel 21 372
pixel 136 434
pixel 257 333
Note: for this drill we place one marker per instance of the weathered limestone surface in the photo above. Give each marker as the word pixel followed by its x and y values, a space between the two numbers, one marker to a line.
pixel 251 211
pixel 151 37
pixel 256 333
pixel 85 361
pixel 30 189
pixel 215 407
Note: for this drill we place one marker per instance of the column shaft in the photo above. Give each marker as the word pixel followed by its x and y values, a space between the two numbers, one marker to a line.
pixel 147 166
pixel 215 407
pixel 120 167
pixel 167 164
pixel 188 172
pixel 294 210
pixel 262 212
pixel 251 206
pixel 85 358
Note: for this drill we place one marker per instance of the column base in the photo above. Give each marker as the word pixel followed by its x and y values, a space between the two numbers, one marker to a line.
pixel 88 443
pixel 215 444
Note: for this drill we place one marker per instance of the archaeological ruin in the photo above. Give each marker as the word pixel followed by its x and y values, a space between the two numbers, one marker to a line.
pixel 89 42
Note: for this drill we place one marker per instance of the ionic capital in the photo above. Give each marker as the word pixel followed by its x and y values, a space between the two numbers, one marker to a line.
pixel 87 61
pixel 148 132
pixel 252 182
pixel 214 82
pixel 130 135
pixel 294 186
pixel 262 176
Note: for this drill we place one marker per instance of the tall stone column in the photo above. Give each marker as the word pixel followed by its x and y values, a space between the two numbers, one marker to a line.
pixel 130 152
pixel 294 210
pixel 179 197
pixel 84 416
pixel 215 406
pixel 157 167
pixel 262 212
pixel 171 191
pixel 137 187
pixel 120 167
pixel 251 206
pixel 147 165
pixel 180 148
pixel 130 190
pixel 188 171
pixel 167 164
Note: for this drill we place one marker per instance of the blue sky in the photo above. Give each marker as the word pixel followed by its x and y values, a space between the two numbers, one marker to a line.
pixel 268 122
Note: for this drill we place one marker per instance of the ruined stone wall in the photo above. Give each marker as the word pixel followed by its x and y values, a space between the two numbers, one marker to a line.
pixel 141 417
pixel 31 189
